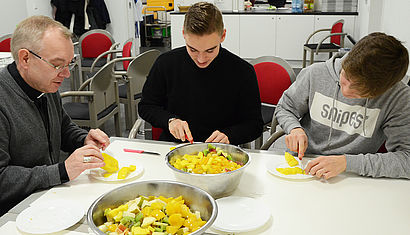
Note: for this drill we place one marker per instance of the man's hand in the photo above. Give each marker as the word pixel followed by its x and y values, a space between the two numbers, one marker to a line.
pixel 218 137
pixel 180 130
pixel 75 164
pixel 296 141
pixel 326 166
pixel 97 138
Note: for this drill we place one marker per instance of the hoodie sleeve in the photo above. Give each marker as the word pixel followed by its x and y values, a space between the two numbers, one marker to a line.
pixel 396 162
pixel 294 103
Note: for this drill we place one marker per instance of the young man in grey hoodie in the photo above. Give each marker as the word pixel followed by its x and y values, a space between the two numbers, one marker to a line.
pixel 345 108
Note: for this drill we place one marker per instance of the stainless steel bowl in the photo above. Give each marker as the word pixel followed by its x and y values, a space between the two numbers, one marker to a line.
pixel 218 185
pixel 196 198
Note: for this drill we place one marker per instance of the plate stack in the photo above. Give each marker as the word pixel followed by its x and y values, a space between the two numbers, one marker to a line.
pixel 338 5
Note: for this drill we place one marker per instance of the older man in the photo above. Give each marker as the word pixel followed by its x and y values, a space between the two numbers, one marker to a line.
pixel 34 126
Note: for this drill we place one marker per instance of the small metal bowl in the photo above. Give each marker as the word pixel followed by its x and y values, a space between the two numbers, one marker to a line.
pixel 218 185
pixel 195 198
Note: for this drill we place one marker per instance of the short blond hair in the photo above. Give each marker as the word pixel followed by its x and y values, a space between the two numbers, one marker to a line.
pixel 29 33
pixel 203 18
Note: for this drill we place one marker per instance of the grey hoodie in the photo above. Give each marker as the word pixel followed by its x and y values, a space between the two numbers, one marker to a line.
pixel 335 125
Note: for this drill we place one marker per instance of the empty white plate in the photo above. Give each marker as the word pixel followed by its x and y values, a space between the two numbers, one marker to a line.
pixel 49 217
pixel 240 214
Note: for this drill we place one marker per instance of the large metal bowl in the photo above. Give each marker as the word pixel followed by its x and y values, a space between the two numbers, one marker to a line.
pixel 196 198
pixel 218 185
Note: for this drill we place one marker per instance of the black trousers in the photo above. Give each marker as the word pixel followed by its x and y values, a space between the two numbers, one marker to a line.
pixel 65 10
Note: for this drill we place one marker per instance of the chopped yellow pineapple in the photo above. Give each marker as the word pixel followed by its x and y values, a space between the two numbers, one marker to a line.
pixel 290 159
pixel 111 164
pixel 291 170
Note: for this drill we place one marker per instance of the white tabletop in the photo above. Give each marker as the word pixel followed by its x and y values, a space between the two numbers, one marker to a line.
pixel 346 204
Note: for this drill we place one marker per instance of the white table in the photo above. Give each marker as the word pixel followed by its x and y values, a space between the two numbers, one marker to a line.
pixel 346 204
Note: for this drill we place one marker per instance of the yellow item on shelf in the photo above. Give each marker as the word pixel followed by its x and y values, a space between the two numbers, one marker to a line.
pixel 168 4
pixel 291 170
pixel 290 159
pixel 111 164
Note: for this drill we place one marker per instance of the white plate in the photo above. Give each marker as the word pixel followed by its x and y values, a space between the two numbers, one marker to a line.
pixel 123 161
pixel 271 167
pixel 229 220
pixel 49 217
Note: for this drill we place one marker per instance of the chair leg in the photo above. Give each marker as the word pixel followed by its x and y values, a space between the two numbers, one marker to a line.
pixel 132 112
pixel 117 124
pixel 258 142
pixel 312 54
pixel 127 116
pixel 304 58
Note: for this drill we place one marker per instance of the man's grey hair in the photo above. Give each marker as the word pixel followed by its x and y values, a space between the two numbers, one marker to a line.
pixel 29 34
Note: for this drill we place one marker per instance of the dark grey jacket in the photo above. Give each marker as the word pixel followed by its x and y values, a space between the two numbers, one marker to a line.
pixel 27 162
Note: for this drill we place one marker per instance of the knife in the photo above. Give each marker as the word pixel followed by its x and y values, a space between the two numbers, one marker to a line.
pixel 140 151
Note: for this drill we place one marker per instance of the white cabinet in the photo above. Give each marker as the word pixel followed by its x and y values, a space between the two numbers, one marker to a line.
pixel 254 35
pixel 291 34
pixel 177 24
pixel 257 36
pixel 231 23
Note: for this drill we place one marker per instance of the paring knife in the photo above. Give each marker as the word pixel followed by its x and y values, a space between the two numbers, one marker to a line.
pixel 140 151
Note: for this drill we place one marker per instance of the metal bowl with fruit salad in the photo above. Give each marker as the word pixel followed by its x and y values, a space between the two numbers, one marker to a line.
pixel 220 182
pixel 122 207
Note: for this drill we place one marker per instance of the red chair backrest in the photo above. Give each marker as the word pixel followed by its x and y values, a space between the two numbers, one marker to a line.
pixel 5 45
pixel 156 132
pixel 126 52
pixel 273 80
pixel 336 28
pixel 95 44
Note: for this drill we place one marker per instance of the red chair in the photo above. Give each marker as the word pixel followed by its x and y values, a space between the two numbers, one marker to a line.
pixel 91 45
pixel 336 42
pixel 5 43
pixel 274 75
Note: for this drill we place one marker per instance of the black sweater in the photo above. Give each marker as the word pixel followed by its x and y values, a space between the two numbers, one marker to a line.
pixel 224 96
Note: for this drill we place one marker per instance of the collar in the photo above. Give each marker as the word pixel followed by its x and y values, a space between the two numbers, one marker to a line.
pixel 32 93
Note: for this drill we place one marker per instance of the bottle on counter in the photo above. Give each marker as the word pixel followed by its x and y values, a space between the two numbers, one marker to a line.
pixel 297 6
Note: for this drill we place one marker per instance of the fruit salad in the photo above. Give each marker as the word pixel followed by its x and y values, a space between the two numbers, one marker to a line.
pixel 209 161
pixel 152 216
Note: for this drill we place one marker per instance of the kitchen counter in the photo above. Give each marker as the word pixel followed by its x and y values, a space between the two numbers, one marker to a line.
pixel 264 11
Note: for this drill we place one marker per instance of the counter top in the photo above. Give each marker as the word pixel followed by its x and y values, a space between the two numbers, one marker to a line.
pixel 257 11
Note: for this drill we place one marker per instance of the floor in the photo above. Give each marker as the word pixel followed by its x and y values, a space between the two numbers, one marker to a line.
pixel 109 126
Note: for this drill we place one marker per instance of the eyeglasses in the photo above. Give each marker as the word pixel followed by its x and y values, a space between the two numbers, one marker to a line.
pixel 57 68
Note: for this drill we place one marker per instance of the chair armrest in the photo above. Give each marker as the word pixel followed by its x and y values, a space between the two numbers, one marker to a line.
pixel 135 128
pixel 109 52
pixel 315 32
pixel 76 93
pixel 330 35
pixel 272 139
pixel 85 84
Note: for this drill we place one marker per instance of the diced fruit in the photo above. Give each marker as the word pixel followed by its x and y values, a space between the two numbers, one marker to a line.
pixel 111 164
pixel 290 159
pixel 124 172
pixel 291 170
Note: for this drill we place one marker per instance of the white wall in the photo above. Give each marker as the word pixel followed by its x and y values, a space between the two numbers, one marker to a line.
pixel 389 16
pixel 14 11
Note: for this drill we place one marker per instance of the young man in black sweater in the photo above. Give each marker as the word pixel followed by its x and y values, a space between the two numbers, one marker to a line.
pixel 203 92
